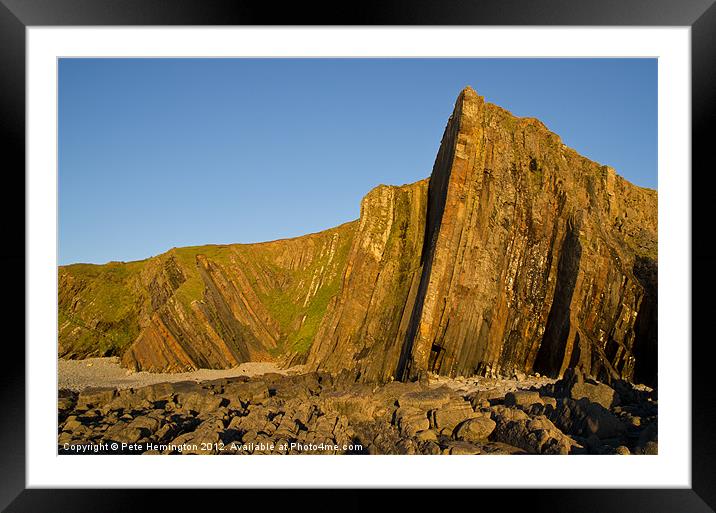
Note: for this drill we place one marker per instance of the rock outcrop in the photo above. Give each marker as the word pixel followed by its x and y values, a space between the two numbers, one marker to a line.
pixel 366 323
pixel 203 307
pixel 535 264
pixel 516 255
pixel 533 258
pixel 313 413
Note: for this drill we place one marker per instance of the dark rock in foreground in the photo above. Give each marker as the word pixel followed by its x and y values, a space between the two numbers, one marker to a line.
pixel 317 414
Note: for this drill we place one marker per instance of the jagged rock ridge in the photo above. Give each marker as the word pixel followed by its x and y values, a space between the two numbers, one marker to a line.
pixel 518 254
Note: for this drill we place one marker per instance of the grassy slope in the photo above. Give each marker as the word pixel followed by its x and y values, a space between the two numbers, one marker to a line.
pixel 105 320
pixel 100 305
pixel 287 305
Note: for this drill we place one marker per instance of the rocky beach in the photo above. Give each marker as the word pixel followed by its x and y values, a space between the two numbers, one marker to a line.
pixel 506 304
pixel 316 413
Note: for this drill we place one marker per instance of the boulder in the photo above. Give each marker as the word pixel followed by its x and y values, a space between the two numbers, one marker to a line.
pixel 500 448
pixel 479 398
pixel 93 397
pixel 576 386
pixel 584 418
pixel 66 401
pixel 426 435
pixel 460 447
pixel 649 448
pixel 430 448
pixel 71 424
pixel 125 400
pixel 248 392
pixel 165 433
pixel 476 429
pixel 200 401
pixel 451 414
pixel 622 450
pixel 522 398
pixel 411 420
pixel 535 435
pixel 427 399
pixel 503 413
pixel 123 432
pixel 64 438
pixel 596 392
pixel 157 391
pixel 359 403
pixel 201 440
pixel 147 425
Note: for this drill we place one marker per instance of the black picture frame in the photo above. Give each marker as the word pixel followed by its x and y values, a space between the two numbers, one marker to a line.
pixel 17 15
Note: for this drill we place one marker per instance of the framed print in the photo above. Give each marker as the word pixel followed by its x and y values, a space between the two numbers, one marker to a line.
pixel 384 249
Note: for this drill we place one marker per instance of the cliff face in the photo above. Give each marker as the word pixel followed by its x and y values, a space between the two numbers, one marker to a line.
pixel 365 325
pixel 204 306
pixel 532 258
pixel 542 259
pixel 516 254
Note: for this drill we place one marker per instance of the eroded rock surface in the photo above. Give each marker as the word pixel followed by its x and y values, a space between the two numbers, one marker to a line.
pixel 539 258
pixel 314 413
pixel 203 307
pixel 517 255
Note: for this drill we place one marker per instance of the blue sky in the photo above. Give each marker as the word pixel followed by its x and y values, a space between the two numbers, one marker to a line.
pixel 158 153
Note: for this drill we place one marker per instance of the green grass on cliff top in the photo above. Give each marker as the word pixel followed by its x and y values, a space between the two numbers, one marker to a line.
pixel 104 321
pixel 107 322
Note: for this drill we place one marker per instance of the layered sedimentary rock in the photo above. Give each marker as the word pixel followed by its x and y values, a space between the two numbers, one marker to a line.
pixel 537 262
pixel 517 254
pixel 366 323
pixel 204 306
pixel 534 259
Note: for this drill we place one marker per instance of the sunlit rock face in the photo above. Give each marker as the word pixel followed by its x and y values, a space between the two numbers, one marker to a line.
pixel 532 258
pixel 541 259
pixel 517 254
pixel 203 306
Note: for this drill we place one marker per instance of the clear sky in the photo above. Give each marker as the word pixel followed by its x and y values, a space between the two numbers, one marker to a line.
pixel 158 153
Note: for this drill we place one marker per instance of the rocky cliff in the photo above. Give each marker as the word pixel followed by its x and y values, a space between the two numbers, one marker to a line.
pixel 542 258
pixel 204 306
pixel 517 254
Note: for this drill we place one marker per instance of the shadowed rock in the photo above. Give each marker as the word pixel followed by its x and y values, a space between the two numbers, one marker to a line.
pixel 319 416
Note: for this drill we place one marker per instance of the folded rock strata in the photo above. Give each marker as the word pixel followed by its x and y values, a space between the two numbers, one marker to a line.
pixel 516 255
pixel 203 307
